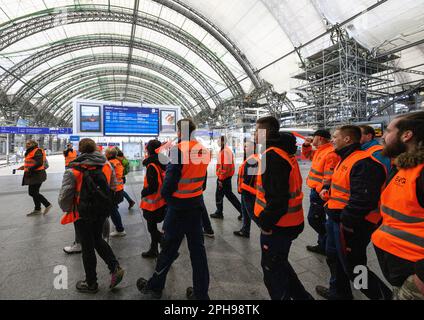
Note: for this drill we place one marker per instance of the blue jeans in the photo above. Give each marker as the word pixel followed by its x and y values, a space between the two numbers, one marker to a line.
pixel 316 217
pixel 279 276
pixel 247 206
pixel 177 224
pixel 116 219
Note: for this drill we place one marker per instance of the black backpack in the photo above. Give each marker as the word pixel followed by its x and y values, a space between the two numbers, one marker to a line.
pixel 96 196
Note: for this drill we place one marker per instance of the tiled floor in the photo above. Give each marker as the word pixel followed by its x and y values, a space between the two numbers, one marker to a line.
pixel 31 247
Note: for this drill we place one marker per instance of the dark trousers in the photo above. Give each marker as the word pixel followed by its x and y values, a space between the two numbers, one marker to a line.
pixel 342 262
pixel 152 219
pixel 247 207
pixel 226 191
pixel 116 219
pixel 34 192
pixel 316 217
pixel 105 231
pixel 177 224
pixel 279 276
pixel 127 196
pixel 90 233
pixel 206 222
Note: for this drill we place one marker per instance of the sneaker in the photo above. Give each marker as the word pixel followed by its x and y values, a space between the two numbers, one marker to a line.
pixel 75 248
pixel 190 293
pixel 241 234
pixel 118 234
pixel 34 213
pixel 132 203
pixel 316 249
pixel 209 234
pixel 47 209
pixel 83 286
pixel 142 287
pixel 116 277
pixel 217 216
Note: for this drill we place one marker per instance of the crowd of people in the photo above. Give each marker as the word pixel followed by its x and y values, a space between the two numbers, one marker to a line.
pixel 360 192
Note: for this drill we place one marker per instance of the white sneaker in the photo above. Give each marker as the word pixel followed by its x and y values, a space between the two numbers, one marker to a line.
pixel 118 234
pixel 34 213
pixel 47 209
pixel 75 248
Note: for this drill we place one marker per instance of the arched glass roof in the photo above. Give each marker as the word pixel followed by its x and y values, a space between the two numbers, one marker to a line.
pixel 194 53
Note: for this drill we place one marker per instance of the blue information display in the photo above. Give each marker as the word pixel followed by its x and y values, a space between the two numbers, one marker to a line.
pixel 35 130
pixel 130 121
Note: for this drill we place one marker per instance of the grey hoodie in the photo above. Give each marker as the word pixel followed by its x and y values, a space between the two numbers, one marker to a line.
pixel 67 191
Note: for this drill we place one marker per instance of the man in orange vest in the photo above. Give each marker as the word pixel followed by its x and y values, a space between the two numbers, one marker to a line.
pixel 183 191
pixel 89 219
pixel 323 163
pixel 399 241
pixel 246 186
pixel 278 209
pixel 111 155
pixel 152 203
pixel 352 210
pixel 307 151
pixel 225 169
pixel 371 145
pixel 34 176
pixel 70 155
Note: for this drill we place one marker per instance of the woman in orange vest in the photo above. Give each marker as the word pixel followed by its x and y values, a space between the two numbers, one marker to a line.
pixel 34 176
pixel 278 209
pixel 399 241
pixel 246 187
pixel 70 155
pixel 152 203
pixel 111 155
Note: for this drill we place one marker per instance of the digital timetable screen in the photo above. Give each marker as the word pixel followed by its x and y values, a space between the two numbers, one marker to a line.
pixel 130 121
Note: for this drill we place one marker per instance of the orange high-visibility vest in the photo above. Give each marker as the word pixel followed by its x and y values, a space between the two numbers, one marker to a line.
pixel 294 215
pixel 73 216
pixel 340 185
pixel 119 171
pixel 240 183
pixel 195 160
pixel 154 201
pixel 72 155
pixel 30 162
pixel 225 167
pixel 402 230
pixel 320 174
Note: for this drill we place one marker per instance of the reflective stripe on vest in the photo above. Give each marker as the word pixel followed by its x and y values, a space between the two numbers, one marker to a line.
pixel 294 214
pixel 402 229
pixel 119 172
pixel 315 179
pixel 195 160
pixel 30 162
pixel 154 201
pixel 240 184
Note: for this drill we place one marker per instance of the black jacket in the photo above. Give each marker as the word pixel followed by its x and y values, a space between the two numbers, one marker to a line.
pixel 275 181
pixel 32 176
pixel 366 179
pixel 249 176
pixel 151 175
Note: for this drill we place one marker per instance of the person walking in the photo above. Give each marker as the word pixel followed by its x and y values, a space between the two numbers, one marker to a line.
pixel 86 197
pixel 70 154
pixel 278 209
pixel 183 191
pixel 225 168
pixel 34 176
pixel 126 164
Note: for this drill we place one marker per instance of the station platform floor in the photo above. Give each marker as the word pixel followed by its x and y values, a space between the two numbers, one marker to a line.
pixel 31 247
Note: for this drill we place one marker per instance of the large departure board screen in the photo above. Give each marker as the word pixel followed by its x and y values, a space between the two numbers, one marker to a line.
pixel 130 121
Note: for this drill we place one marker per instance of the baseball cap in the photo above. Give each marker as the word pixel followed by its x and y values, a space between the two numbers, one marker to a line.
pixel 322 133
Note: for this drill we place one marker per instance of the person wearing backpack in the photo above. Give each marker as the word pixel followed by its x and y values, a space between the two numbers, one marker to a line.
pixel 126 164
pixel 152 203
pixel 34 175
pixel 87 198
pixel 111 155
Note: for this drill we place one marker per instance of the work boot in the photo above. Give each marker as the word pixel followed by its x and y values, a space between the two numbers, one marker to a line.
pixel 131 204
pixel 83 286
pixel 316 249
pixel 34 213
pixel 142 287
pixel 241 234
pixel 75 248
pixel 217 215
pixel 325 293
pixel 116 277
pixel 152 252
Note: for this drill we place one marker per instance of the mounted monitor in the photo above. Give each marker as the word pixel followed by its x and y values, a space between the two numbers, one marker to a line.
pixel 90 118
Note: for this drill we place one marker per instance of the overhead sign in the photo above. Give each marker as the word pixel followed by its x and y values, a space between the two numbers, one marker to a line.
pixel 35 130
pixel 74 138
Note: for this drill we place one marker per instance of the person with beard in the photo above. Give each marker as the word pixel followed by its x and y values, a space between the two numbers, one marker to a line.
pixel 152 203
pixel 399 241
pixel 278 209
pixel 352 211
